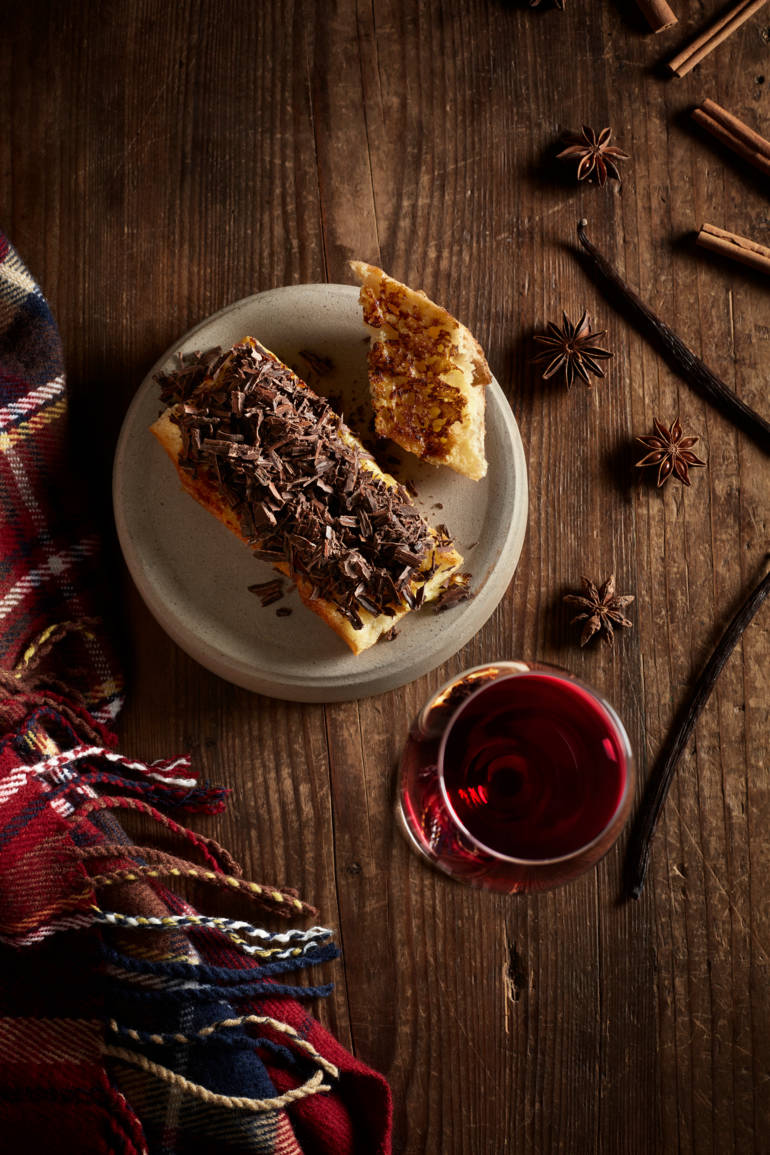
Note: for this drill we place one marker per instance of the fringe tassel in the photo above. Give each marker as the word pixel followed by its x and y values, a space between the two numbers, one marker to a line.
pixel 212 851
pixel 205 799
pixel 236 1102
pixel 306 940
pixel 224 1031
pixel 125 850
pixel 283 902
pixel 222 981
pixel 205 994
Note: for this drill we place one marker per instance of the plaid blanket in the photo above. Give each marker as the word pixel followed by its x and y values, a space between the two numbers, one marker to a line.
pixel 129 1020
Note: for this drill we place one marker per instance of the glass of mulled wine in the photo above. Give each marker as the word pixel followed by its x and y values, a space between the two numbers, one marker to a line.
pixel 516 777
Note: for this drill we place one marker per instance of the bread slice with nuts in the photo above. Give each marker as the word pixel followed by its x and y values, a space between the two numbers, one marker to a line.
pixel 427 374
pixel 255 446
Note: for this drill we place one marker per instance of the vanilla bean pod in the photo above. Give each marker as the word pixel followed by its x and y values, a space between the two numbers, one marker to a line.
pixel 674 349
pixel 656 791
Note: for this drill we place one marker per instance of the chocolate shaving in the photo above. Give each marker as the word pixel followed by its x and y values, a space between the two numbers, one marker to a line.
pixel 456 590
pixel 268 592
pixel 407 558
pixel 275 451
pixel 190 371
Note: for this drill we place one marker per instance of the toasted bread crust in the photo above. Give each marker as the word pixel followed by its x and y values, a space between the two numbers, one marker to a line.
pixel 427 374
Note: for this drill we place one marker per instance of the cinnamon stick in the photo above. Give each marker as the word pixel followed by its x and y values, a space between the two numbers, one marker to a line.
pixel 731 131
pixel 741 249
pixel 686 60
pixel 658 14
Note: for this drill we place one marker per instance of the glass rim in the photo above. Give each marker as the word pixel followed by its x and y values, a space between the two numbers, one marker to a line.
pixel 535 669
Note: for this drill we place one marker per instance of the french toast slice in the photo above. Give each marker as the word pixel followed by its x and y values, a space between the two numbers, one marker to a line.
pixel 427 374
pixel 254 445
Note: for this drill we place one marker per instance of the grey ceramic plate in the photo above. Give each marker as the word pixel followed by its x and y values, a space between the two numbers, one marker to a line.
pixel 194 575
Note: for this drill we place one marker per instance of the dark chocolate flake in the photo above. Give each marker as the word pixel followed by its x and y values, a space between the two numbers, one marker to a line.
pixel 268 592
pixel 369 605
pixel 406 557
pixel 456 590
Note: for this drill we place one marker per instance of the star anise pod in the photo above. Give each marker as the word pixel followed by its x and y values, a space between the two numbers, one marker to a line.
pixel 671 451
pixel 601 609
pixel 572 349
pixel 594 154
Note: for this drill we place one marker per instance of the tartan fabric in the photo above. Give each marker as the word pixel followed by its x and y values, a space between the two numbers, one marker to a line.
pixel 51 569
pixel 129 1021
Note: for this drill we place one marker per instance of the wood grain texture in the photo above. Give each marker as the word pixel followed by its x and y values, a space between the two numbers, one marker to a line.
pixel 160 161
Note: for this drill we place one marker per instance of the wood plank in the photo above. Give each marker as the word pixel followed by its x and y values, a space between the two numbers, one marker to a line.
pixel 167 168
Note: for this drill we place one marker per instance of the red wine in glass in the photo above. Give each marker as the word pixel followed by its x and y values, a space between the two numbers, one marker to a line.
pixel 515 777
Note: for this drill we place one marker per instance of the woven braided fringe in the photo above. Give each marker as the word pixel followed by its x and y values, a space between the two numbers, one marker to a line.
pixel 234 929
pixel 282 901
pixel 312 1086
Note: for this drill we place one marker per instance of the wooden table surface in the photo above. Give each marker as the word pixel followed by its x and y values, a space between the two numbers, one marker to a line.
pixel 162 160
